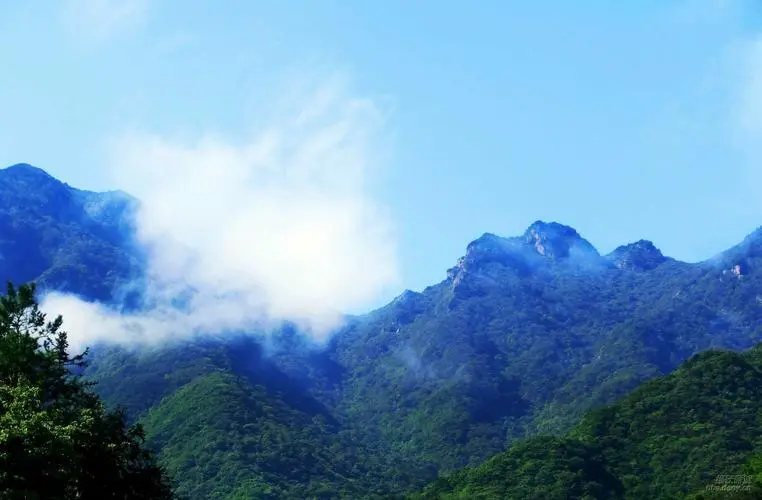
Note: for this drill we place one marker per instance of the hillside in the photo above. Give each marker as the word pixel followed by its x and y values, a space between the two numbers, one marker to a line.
pixel 680 436
pixel 64 238
pixel 253 443
pixel 523 335
pixel 519 340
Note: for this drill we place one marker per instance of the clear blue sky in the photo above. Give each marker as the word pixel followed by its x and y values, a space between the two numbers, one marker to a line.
pixel 625 120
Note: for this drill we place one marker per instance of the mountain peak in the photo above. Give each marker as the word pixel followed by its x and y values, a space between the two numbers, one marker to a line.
pixel 485 249
pixel 23 184
pixel 641 255
pixel 26 169
pixel 543 225
pixel 23 177
pixel 542 242
pixel 556 241
pixel 488 242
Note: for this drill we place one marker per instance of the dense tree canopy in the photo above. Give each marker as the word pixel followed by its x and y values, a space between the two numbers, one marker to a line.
pixel 695 434
pixel 56 438
pixel 523 337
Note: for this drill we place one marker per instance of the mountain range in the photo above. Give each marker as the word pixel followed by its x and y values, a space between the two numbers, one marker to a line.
pixel 600 357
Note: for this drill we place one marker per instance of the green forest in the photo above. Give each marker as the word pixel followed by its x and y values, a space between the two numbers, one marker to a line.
pixel 536 368
pixel 56 438
pixel 694 434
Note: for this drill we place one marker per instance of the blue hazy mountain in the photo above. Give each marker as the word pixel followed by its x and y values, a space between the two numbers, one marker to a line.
pixel 523 335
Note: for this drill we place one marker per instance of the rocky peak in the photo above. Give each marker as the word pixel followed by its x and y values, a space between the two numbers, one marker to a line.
pixel 641 255
pixel 492 248
pixel 542 243
pixel 488 248
pixel 406 296
pixel 486 244
pixel 556 241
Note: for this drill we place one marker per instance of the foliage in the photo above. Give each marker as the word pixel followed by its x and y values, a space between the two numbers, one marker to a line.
pixel 672 438
pixel 225 439
pixel 524 336
pixel 255 434
pixel 56 438
pixel 63 238
pixel 449 377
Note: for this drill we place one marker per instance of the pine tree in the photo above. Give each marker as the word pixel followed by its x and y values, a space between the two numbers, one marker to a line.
pixel 57 440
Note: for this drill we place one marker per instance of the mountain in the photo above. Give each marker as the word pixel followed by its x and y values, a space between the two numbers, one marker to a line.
pixel 523 335
pixel 230 423
pixel 64 238
pixel 528 333
pixel 696 433
pixel 641 255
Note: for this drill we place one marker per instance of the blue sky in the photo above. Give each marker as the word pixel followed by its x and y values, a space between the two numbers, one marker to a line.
pixel 625 120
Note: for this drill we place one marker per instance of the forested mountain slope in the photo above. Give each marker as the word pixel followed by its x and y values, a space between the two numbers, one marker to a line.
pixel 696 433
pixel 64 238
pixel 524 334
pixel 527 333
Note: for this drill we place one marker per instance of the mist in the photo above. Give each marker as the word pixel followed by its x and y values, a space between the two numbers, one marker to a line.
pixel 281 226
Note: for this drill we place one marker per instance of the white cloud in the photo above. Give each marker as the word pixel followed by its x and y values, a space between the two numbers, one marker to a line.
pixel 283 226
pixel 98 20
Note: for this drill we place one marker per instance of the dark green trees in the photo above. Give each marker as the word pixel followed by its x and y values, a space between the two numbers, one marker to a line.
pixel 56 438
pixel 695 434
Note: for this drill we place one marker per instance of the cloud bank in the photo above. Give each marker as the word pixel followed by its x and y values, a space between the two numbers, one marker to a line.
pixel 283 226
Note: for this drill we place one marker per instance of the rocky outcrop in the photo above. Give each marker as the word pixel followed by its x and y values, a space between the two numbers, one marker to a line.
pixel 541 245
pixel 556 241
pixel 639 256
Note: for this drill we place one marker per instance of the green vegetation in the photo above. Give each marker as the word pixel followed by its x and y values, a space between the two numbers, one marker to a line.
pixel 672 438
pixel 63 238
pixel 447 378
pixel 525 336
pixel 56 438
pixel 224 438
pixel 255 434
pixel 450 377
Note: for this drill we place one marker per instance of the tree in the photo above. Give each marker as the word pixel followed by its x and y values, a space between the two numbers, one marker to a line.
pixel 57 440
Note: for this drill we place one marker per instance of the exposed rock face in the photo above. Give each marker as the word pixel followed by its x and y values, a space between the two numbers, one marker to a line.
pixel 486 250
pixel 639 256
pixel 556 241
pixel 542 244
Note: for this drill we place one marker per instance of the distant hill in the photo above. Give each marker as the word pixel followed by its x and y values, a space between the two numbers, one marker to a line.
pixel 523 335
